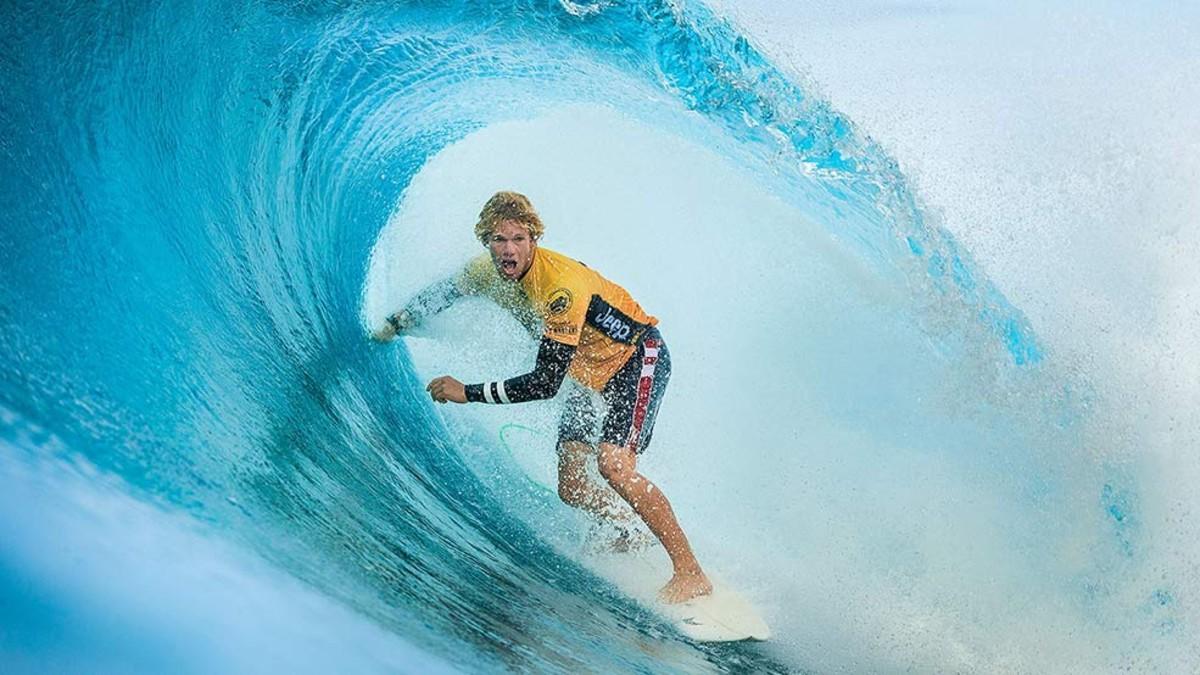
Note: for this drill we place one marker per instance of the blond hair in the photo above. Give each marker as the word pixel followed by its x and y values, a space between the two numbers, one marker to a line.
pixel 504 206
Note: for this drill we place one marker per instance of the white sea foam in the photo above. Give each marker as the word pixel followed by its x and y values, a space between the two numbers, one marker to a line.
pixel 881 500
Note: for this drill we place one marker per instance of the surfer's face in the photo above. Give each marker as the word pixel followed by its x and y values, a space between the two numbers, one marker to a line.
pixel 512 249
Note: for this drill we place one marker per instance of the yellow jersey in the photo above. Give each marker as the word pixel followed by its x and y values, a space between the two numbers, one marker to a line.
pixel 570 303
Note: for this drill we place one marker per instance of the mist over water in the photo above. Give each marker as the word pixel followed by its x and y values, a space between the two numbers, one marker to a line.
pixel 920 473
pixel 1056 142
pixel 934 388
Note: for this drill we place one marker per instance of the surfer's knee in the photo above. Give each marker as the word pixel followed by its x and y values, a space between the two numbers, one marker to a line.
pixel 616 467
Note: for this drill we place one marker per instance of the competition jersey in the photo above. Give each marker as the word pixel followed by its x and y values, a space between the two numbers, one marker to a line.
pixel 573 304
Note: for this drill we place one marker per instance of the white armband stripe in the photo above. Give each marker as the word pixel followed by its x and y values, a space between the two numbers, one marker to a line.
pixel 500 390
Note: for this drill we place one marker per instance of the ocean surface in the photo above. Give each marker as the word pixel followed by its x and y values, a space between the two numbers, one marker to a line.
pixel 932 408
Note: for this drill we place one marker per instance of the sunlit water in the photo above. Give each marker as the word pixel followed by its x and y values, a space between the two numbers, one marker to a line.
pixel 208 467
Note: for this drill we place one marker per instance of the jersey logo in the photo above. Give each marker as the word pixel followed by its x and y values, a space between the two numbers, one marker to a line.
pixel 613 323
pixel 613 326
pixel 559 302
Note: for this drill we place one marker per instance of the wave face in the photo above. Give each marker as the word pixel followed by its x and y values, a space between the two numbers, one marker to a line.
pixel 209 467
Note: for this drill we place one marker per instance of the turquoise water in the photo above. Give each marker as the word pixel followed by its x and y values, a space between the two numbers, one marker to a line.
pixel 208 467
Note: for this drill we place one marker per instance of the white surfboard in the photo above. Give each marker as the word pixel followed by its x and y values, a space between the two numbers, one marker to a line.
pixel 723 616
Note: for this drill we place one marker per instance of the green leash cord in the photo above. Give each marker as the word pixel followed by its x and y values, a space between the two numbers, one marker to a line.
pixel 552 494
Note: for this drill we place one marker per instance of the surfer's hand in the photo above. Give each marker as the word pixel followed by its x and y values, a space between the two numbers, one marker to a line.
pixel 383 334
pixel 392 326
pixel 446 388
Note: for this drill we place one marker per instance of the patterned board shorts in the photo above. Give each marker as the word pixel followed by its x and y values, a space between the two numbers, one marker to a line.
pixel 629 402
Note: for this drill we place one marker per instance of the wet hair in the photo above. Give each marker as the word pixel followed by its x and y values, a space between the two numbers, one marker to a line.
pixel 504 206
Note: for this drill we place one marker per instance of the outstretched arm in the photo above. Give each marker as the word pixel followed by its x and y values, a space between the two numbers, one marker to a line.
pixel 428 302
pixel 553 361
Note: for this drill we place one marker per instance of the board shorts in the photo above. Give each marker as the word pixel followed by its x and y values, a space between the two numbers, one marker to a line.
pixel 626 408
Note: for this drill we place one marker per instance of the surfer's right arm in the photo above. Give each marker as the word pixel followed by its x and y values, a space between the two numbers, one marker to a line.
pixel 428 302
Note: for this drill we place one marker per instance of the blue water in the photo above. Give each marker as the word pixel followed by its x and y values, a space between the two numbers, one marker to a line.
pixel 208 467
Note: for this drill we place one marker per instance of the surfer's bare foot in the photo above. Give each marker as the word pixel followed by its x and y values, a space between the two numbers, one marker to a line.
pixel 684 586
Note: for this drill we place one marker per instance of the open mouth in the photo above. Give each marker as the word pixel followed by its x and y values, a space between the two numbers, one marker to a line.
pixel 509 266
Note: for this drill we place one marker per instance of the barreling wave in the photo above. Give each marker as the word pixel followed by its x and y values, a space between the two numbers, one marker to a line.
pixel 192 195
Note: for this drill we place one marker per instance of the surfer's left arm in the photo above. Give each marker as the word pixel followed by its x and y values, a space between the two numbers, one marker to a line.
pixel 432 300
pixel 553 361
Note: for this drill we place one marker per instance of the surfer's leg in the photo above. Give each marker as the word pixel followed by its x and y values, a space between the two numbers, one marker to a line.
pixel 576 445
pixel 576 489
pixel 618 465
pixel 633 397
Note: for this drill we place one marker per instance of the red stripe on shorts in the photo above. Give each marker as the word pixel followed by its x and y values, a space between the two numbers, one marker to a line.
pixel 645 384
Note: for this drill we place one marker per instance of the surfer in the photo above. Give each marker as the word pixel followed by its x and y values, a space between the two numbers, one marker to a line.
pixel 594 335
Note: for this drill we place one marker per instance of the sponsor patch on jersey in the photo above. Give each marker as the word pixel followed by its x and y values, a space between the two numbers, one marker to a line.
pixel 559 302
pixel 612 322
